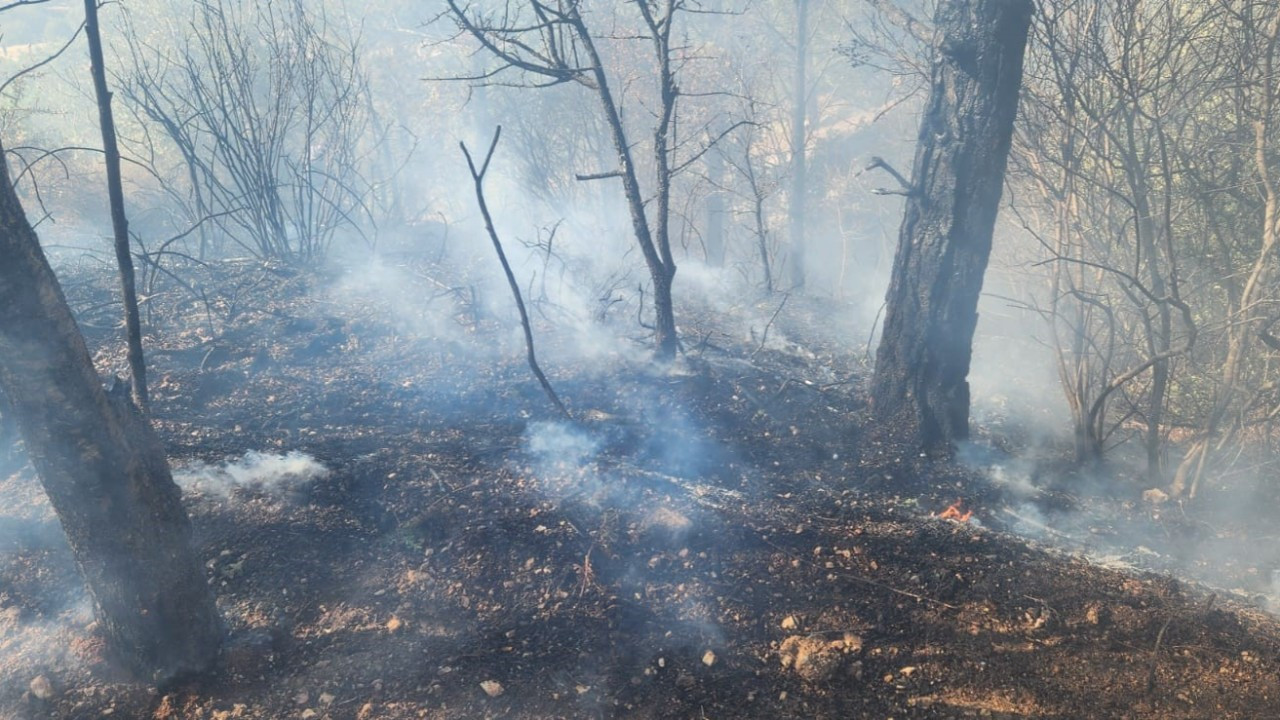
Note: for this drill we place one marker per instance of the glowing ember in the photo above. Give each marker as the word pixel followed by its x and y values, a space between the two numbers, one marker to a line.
pixel 953 512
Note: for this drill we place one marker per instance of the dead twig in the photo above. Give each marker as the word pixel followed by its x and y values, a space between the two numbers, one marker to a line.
pixel 586 573
pixel 1155 655
pixel 477 176
pixel 764 336
pixel 906 188
pixel 871 335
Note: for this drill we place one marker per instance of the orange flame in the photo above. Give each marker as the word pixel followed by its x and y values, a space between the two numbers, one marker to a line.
pixel 953 512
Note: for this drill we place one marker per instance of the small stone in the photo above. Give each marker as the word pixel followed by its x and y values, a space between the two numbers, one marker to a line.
pixel 816 658
pixel 1093 615
pixel 789 622
pixel 41 688
pixel 1155 496
pixel 326 698
pixel 309 714
pixel 492 688
pixel 394 624
pixel 709 658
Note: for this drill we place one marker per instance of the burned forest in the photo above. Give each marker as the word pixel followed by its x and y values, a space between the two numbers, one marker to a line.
pixel 392 360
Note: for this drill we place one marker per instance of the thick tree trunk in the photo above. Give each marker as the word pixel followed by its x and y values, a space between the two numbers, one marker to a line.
pixel 103 469
pixel 922 364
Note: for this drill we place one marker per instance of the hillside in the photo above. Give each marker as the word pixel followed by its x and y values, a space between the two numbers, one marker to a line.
pixel 398 526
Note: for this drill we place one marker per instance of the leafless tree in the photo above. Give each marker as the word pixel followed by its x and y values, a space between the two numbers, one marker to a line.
pixel 119 221
pixel 266 104
pixel 753 186
pixel 1154 223
pixel 554 43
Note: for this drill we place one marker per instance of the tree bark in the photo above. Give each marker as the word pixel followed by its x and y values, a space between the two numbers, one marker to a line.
pixel 115 193
pixel 103 469
pixel 922 364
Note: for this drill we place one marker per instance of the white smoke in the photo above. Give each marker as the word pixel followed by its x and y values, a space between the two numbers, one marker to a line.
pixel 559 446
pixel 271 473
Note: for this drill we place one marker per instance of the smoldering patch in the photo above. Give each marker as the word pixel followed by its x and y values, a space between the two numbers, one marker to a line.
pixel 21 533
pixel 27 522
pixel 261 472
pixel 559 446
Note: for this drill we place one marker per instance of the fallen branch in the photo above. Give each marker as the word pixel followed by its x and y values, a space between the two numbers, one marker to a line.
pixel 477 176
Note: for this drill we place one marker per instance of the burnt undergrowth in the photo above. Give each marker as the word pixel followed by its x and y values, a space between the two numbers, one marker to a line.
pixel 724 537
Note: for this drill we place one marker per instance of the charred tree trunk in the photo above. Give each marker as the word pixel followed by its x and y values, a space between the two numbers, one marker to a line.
pixel 922 364
pixel 115 193
pixel 652 238
pixel 103 469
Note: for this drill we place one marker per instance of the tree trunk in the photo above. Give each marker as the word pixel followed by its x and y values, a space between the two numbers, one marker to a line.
pixel 103 469
pixel 115 192
pixel 799 172
pixel 715 245
pixel 922 364
pixel 654 243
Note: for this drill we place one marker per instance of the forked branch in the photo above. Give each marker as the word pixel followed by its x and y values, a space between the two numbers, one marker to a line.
pixel 477 177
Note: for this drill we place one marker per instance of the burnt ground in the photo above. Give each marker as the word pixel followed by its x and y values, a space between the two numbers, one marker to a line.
pixel 725 538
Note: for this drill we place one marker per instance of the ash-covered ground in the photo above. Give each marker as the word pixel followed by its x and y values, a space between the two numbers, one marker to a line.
pixel 398 525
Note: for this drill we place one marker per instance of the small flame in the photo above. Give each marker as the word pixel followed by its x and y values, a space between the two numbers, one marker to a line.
pixel 954 512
